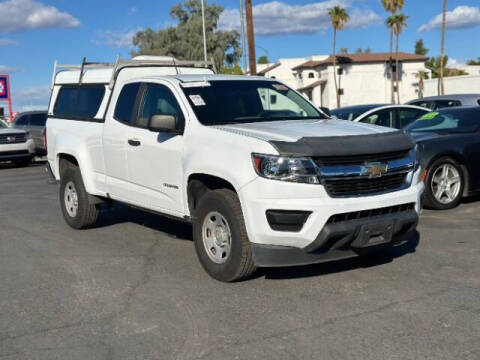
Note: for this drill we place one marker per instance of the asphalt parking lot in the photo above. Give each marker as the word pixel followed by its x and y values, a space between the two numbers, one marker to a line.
pixel 132 288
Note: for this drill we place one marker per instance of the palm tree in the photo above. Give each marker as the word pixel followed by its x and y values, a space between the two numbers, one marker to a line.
pixel 421 76
pixel 392 6
pixel 397 22
pixel 442 49
pixel 339 18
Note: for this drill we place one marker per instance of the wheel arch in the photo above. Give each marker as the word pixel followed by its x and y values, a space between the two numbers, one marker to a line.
pixel 198 184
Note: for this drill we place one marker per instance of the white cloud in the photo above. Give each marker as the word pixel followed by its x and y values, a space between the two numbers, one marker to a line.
pixel 8 69
pixel 275 17
pixel 455 64
pixel 5 42
pixel 116 39
pixel 31 98
pixel 460 17
pixel 133 10
pixel 21 15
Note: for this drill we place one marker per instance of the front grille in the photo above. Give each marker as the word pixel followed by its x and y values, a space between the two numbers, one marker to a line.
pixel 360 159
pixel 362 186
pixel 13 138
pixel 355 215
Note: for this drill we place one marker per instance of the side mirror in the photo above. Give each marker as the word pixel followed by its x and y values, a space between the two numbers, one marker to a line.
pixel 164 123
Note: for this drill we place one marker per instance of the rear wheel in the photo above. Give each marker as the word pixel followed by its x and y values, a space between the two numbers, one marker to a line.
pixel 76 209
pixel 444 184
pixel 220 237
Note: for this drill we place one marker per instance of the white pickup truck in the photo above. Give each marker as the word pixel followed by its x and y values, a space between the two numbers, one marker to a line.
pixel 264 176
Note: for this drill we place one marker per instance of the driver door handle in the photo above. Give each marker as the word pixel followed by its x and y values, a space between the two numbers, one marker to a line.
pixel 134 142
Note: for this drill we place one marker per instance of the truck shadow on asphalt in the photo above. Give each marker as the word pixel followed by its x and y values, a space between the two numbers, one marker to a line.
pixel 183 231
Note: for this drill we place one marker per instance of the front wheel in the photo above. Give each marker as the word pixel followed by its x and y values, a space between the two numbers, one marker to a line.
pixel 76 209
pixel 445 182
pixel 220 237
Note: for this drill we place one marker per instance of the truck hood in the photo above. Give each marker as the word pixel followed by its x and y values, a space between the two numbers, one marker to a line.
pixel 293 130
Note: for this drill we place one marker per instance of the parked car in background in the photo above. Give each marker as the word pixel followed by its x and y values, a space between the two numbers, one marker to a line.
pixel 16 145
pixel 440 102
pixel 34 123
pixel 449 149
pixel 393 116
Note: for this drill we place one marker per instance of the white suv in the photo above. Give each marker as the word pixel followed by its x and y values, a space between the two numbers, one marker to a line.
pixel 16 145
pixel 266 179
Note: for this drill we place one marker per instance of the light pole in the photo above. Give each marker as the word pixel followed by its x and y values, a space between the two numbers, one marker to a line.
pixel 251 38
pixel 204 32
pixel 242 24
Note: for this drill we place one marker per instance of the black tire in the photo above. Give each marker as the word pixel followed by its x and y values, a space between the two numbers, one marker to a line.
pixel 429 198
pixel 86 214
pixel 22 162
pixel 239 264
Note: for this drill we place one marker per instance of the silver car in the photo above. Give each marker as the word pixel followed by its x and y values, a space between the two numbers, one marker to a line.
pixel 439 102
pixel 34 123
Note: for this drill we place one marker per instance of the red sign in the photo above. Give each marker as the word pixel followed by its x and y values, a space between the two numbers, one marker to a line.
pixel 3 88
pixel 5 93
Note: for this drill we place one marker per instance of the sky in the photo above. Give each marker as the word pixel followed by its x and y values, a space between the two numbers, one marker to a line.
pixel 35 33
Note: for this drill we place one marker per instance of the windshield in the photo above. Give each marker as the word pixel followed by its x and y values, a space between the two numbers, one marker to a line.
pixel 448 121
pixel 2 125
pixel 244 101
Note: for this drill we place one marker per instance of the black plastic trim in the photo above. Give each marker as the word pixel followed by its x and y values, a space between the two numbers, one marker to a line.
pixel 287 220
pixel 346 145
pixel 338 241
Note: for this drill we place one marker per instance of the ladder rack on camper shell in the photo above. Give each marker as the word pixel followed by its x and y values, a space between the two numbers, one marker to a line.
pixel 120 64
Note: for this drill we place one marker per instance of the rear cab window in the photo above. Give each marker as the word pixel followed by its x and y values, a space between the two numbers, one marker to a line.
pixel 79 102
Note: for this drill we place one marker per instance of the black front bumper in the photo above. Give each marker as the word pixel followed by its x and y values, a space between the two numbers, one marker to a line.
pixel 341 240
pixel 15 155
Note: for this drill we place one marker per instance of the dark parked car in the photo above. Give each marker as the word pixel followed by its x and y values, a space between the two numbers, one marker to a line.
pixel 394 116
pixel 34 123
pixel 449 151
pixel 440 102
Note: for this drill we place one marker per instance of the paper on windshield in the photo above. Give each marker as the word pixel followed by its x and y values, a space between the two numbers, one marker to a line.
pixel 197 100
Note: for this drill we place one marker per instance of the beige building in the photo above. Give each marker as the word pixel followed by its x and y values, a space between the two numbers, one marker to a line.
pixel 362 78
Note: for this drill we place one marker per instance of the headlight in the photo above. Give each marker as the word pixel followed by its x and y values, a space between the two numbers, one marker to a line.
pixel 292 169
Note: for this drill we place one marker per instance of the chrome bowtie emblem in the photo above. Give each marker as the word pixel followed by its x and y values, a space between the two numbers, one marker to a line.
pixel 374 170
pixel 10 139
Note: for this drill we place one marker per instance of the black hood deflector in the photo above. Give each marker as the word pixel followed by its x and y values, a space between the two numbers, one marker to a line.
pixel 346 145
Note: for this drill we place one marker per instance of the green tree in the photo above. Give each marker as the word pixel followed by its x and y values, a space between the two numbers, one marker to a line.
pixel 420 48
pixel 263 60
pixel 344 51
pixel 397 22
pixel 363 51
pixel 185 40
pixel 339 17
pixel 474 62
pixel 231 70
pixel 392 6
pixel 434 64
